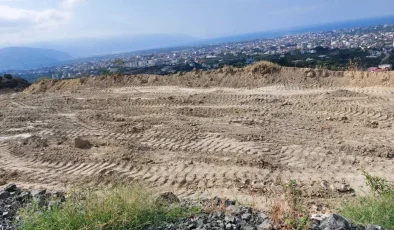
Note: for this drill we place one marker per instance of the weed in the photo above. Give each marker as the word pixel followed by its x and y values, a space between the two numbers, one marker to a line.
pixel 121 207
pixel 375 208
pixel 290 212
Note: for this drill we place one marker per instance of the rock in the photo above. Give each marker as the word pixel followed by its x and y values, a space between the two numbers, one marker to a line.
pixel 38 193
pixel 168 198
pixel 233 210
pixel 4 195
pixel 374 227
pixel 229 219
pixel 344 118
pixel 24 196
pixel 325 184
pixel 11 188
pixel 229 226
pixel 82 144
pixel 262 216
pixel 344 188
pixel 310 74
pixel 334 222
pixel 246 216
pixel 247 227
pixel 229 203
pixel 266 225
pixel 319 217
pixel 217 201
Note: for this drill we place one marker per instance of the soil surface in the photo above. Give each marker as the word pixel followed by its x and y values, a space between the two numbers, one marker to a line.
pixel 230 139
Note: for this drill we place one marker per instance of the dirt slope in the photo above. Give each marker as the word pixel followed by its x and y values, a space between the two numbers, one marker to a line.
pixel 239 133
pixel 254 76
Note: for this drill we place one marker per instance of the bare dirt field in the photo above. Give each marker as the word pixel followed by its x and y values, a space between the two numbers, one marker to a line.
pixel 241 141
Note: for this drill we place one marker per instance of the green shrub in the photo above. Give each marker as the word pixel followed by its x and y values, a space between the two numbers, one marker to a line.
pixel 8 76
pixel 128 207
pixel 375 208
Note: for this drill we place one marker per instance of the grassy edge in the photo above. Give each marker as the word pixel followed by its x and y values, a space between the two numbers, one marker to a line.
pixel 119 207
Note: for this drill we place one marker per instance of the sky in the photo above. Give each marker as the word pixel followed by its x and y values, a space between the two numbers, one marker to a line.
pixel 24 22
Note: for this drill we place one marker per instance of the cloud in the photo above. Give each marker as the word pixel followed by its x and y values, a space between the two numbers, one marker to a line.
pixel 16 18
pixel 296 10
pixel 69 4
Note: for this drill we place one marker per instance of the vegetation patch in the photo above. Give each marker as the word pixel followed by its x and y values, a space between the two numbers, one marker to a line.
pixel 375 208
pixel 120 207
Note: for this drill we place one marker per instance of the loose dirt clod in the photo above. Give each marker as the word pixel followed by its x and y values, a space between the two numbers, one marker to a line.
pixel 82 144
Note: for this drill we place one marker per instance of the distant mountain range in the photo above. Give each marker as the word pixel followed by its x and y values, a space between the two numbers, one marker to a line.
pixel 27 58
pixel 87 47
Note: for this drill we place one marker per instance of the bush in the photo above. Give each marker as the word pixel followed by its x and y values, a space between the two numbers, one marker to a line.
pixel 126 207
pixel 8 76
pixel 376 208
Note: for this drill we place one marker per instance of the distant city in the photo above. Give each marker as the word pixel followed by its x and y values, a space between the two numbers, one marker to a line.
pixel 366 48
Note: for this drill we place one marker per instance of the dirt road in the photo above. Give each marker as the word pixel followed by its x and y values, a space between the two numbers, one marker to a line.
pixel 201 142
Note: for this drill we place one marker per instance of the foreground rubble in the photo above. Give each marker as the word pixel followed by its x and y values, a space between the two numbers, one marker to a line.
pixel 216 214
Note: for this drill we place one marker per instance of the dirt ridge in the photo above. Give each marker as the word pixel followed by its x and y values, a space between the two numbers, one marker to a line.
pixel 253 76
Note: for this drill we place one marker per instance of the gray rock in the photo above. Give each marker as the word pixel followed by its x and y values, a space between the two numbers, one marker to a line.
pixel 229 227
pixel 334 222
pixel 11 188
pixel 374 227
pixel 233 209
pixel 229 219
pixel 4 195
pixel 229 203
pixel 38 193
pixel 262 216
pixel 24 196
pixel 247 227
pixel 266 225
pixel 246 216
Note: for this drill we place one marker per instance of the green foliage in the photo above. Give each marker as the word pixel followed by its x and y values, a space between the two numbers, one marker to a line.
pixel 8 76
pixel 303 223
pixel 121 207
pixel 119 62
pixel 375 208
pixel 379 185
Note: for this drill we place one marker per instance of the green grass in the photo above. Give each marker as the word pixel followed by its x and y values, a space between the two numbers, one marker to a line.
pixel 125 207
pixel 376 208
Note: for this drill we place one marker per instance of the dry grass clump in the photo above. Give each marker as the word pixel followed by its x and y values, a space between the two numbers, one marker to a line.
pixel 263 67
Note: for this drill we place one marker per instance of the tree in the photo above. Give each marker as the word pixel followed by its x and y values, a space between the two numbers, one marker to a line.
pixel 119 62
pixel 8 76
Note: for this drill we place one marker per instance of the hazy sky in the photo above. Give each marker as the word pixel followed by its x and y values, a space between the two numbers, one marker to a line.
pixel 28 21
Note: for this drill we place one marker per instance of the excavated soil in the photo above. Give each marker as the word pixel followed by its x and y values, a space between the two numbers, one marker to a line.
pixel 236 133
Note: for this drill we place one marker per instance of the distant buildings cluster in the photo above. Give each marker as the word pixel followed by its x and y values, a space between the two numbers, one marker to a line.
pixel 377 40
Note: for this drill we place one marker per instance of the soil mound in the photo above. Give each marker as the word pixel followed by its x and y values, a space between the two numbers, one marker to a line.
pixel 253 76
